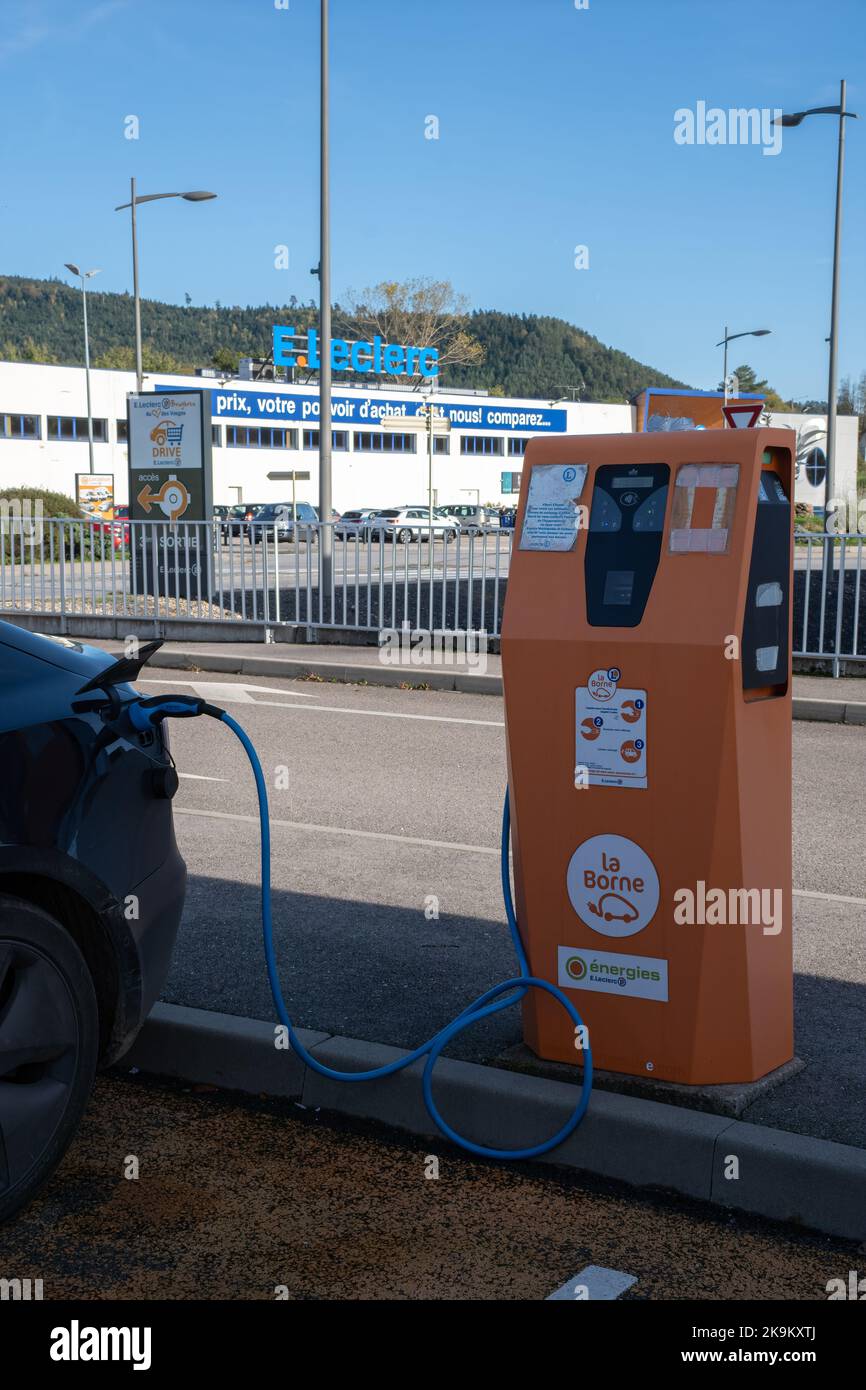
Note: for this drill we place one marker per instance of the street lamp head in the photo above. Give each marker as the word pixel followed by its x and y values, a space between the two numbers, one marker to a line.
pixel 195 196
pixel 749 333
pixel 82 274
pixel 795 117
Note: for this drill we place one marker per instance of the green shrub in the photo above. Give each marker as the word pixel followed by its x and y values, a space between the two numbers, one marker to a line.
pixel 29 503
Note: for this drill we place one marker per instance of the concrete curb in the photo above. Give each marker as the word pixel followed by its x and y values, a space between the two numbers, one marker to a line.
pixel 830 711
pixel 467 682
pixel 787 1177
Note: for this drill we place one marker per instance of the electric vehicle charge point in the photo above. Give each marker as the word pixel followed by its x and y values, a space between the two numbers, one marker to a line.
pixel 646 657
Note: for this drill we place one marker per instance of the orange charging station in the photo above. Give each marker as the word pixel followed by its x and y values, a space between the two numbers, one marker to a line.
pixel 646 657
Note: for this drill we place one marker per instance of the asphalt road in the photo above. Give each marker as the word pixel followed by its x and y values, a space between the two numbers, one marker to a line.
pixel 386 803
pixel 323 1213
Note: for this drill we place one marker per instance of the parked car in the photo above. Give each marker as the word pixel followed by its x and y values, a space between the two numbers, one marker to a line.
pixel 117 530
pixel 485 518
pixel 280 519
pixel 91 891
pixel 236 518
pixel 120 526
pixel 407 524
pixel 354 525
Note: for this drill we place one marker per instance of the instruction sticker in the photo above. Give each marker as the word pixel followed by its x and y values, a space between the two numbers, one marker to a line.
pixel 553 514
pixel 610 740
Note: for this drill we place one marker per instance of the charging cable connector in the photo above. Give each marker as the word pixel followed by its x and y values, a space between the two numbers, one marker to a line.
pixel 144 714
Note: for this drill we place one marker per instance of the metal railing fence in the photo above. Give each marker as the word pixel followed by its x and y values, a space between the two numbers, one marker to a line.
pixel 444 580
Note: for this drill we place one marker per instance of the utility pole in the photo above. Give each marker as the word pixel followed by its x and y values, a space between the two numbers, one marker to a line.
pixel 84 276
pixel 326 540
pixel 135 295
pixel 430 414
pixel 830 476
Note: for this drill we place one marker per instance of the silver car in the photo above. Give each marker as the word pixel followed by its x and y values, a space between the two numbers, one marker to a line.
pixel 355 525
pixel 485 518
pixel 405 524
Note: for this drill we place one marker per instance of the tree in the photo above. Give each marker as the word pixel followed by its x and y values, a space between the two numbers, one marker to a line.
pixel 27 351
pixel 523 353
pixel 852 401
pixel 748 384
pixel 746 380
pixel 421 313
pixel 225 359
pixel 121 358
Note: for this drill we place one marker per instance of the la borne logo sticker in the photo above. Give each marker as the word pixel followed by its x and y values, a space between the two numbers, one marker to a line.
pixel 613 885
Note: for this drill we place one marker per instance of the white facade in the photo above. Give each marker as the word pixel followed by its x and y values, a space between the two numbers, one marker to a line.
pixel 43 443
pixel 811 460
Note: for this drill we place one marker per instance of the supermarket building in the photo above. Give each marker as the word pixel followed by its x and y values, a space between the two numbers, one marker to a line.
pixel 266 437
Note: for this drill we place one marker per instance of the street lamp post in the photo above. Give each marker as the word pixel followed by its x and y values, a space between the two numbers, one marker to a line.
pixel 84 276
pixel 197 196
pixel 428 419
pixel 729 338
pixel 324 272
pixel 795 118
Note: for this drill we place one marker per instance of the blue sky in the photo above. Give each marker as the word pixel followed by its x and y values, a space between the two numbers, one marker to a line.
pixel 555 130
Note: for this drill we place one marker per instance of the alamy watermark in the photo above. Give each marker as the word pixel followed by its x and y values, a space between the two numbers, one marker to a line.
pixel 711 907
pixel 418 647
pixel 21 1290
pixel 21 520
pixel 740 125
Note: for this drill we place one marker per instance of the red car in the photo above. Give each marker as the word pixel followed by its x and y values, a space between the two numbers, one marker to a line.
pixel 118 529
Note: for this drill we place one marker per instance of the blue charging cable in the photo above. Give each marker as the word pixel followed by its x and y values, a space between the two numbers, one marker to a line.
pixel 502 996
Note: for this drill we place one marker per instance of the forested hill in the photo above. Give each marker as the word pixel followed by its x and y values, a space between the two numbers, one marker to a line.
pixel 525 355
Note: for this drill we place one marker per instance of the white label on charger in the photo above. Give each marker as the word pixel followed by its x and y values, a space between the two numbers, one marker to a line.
pixel 625 977
pixel 610 731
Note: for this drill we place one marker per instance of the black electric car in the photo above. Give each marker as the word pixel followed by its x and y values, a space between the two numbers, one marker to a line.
pixel 91 888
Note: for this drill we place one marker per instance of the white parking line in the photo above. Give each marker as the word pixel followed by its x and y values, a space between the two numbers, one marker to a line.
pixel 368 713
pixel 340 830
pixel 829 897
pixel 593 1283
pixel 386 714
pixel 216 691
pixel 236 691
pixel 200 777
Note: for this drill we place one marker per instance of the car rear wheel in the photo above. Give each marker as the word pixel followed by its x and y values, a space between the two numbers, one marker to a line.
pixel 49 1033
pixel 404 536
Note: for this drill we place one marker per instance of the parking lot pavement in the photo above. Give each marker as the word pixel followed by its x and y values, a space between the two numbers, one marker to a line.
pixel 240 1201
pixel 386 807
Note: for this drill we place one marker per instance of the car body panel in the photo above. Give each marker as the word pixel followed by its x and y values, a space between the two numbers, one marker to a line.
pixel 82 807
